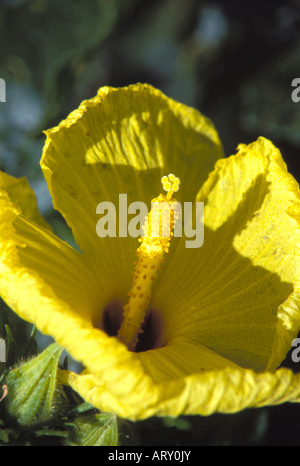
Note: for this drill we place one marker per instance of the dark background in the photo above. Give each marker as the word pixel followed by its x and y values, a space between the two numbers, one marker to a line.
pixel 233 60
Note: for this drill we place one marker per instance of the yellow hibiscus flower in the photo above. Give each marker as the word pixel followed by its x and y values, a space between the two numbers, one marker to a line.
pixel 220 318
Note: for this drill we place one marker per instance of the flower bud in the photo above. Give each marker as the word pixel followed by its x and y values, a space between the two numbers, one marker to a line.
pixel 32 388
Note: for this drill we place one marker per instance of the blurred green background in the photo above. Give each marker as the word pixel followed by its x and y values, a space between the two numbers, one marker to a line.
pixel 233 60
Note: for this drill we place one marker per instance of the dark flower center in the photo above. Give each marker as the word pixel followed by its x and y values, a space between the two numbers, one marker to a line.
pixel 150 336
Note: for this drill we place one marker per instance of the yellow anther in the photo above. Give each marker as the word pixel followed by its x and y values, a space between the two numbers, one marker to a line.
pixel 170 184
pixel 167 186
pixel 154 245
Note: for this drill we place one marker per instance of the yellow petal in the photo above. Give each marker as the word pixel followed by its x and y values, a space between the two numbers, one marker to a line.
pixel 123 141
pixel 181 357
pixel 239 293
pixel 224 391
pixel 39 272
pixel 48 283
pixel 19 192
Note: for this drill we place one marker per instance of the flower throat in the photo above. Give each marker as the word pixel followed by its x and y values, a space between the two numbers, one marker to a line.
pixel 158 231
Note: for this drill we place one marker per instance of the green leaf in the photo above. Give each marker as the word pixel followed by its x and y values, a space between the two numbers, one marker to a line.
pixel 51 433
pixel 2 369
pixel 94 430
pixel 10 347
pixel 4 436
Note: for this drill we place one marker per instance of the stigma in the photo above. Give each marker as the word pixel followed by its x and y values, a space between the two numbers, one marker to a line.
pixel 158 231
